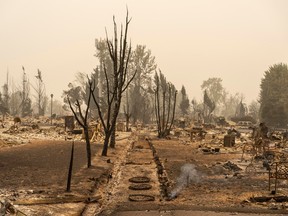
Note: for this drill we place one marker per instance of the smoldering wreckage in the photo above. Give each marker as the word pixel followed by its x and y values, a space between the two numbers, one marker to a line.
pixel 198 166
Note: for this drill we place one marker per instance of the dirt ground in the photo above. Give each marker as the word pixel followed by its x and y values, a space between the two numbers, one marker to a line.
pixel 39 170
pixel 183 178
pixel 195 180
pixel 40 164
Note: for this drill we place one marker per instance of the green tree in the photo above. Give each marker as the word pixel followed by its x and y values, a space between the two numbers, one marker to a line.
pixel 274 96
pixel 144 64
pixel 185 103
pixel 214 89
pixel 241 110
pixel 197 110
pixel 27 107
pixel 4 109
pixel 230 103
pixel 209 106
pixel 254 108
pixel 75 92
pixel 78 90
pixel 6 98
pixel 15 103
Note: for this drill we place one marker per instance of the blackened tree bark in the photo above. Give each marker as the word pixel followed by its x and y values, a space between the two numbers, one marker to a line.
pixel 164 122
pixel 127 112
pixel 83 121
pixel 157 104
pixel 104 115
pixel 210 105
pixel 121 77
pixel 174 106
pixel 185 103
pixel 116 84
pixel 41 98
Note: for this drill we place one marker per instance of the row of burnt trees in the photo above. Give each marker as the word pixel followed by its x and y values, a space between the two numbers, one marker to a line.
pixel 116 83
pixel 106 97
pixel 16 101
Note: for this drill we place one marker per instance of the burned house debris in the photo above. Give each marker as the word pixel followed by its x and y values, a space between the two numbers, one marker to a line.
pixel 208 161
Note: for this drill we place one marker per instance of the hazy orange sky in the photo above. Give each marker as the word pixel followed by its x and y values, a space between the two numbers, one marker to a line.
pixel 191 40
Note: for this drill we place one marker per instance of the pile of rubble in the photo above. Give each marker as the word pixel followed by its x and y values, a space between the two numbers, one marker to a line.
pixel 14 131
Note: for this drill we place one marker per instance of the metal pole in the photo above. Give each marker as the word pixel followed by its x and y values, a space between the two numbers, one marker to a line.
pixel 70 169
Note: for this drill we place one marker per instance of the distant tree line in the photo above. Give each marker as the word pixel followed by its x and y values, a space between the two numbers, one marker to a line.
pixel 16 100
pixel 218 102
pixel 271 107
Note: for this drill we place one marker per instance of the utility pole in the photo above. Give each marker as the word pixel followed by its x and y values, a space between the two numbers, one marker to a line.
pixel 24 91
pixel 39 91
pixel 51 107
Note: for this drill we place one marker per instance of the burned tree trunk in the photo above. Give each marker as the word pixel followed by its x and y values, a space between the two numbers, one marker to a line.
pixel 88 145
pixel 83 121
pixel 106 141
pixel 120 70
pixel 174 109
pixel 164 123
pixel 113 137
pixel 119 52
pixel 157 109
pixel 127 112
pixel 208 103
pixel 105 116
pixel 169 105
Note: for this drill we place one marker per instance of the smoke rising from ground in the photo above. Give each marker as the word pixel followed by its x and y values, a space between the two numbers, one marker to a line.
pixel 187 176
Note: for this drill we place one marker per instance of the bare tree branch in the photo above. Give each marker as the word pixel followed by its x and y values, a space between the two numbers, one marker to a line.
pixel 128 83
pixel 72 109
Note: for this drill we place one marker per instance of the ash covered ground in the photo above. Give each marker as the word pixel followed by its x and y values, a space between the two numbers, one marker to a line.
pixel 184 174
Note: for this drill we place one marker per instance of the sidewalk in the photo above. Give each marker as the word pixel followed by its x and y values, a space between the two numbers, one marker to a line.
pixel 188 213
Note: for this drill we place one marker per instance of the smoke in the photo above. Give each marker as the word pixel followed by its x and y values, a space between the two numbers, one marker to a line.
pixel 187 176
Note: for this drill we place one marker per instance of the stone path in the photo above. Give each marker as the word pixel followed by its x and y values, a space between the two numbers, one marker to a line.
pixel 137 162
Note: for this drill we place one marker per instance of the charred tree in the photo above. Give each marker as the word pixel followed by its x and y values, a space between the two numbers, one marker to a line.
pixel 165 112
pixel 120 70
pixel 119 52
pixel 104 115
pixel 127 112
pixel 5 99
pixel 209 106
pixel 41 98
pixel 83 121
pixel 26 103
